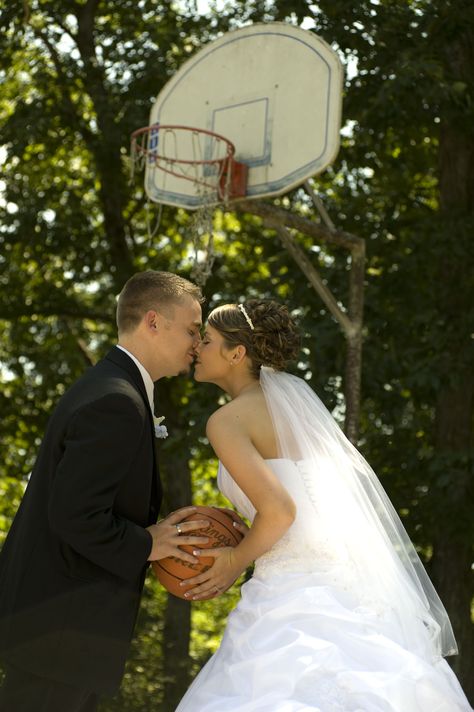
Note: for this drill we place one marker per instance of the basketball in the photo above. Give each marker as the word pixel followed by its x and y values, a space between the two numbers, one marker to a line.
pixel 220 532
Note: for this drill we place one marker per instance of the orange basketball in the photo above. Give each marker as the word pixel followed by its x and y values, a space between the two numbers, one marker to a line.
pixel 220 532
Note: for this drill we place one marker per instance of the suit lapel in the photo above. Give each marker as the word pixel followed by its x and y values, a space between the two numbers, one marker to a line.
pixel 120 358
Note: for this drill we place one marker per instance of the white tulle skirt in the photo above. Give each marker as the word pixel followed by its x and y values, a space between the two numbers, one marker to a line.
pixel 295 644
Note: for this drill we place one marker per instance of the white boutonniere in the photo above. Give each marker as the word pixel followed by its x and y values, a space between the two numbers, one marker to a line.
pixel 160 430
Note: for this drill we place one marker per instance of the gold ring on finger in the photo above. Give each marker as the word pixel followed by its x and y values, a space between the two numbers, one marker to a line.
pixel 178 528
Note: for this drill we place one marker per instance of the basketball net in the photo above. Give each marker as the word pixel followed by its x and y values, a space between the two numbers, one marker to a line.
pixel 201 228
pixel 205 167
pixel 138 158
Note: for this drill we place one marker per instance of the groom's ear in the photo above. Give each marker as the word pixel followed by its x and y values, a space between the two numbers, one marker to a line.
pixel 151 320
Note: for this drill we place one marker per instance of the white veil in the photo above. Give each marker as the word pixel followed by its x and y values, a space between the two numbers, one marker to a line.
pixel 357 515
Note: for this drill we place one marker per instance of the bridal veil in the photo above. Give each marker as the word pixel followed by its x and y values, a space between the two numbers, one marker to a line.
pixel 356 517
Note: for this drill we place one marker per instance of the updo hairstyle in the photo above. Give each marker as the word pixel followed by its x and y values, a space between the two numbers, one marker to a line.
pixel 274 341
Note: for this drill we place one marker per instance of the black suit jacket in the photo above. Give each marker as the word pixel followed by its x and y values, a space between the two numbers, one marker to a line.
pixel 73 564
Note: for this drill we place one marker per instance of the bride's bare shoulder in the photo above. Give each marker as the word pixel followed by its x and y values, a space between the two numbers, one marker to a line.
pixel 245 414
pixel 244 405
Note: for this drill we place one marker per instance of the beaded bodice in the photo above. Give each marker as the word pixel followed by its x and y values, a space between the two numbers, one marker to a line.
pixel 307 542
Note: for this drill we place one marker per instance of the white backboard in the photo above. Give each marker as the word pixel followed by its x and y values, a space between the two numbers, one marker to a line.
pixel 274 90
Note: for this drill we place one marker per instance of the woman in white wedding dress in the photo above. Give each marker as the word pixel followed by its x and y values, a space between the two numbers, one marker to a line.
pixel 339 615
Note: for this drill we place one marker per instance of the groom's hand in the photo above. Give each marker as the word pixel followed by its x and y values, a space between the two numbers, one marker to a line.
pixel 169 534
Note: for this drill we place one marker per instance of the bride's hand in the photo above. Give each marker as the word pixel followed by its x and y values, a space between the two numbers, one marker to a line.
pixel 241 527
pixel 238 523
pixel 215 580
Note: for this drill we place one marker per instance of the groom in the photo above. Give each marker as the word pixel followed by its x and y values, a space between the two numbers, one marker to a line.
pixel 73 564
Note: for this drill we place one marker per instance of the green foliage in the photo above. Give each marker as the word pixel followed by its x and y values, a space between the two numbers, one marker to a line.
pixel 11 492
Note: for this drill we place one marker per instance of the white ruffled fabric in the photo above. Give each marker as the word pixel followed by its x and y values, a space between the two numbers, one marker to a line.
pixel 300 640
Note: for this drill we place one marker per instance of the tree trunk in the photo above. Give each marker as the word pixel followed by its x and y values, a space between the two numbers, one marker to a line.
pixel 176 663
pixel 177 625
pixel 451 566
pixel 452 545
pixel 174 466
pixel 105 147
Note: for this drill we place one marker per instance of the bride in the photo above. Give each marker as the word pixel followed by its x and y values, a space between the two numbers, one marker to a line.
pixel 340 615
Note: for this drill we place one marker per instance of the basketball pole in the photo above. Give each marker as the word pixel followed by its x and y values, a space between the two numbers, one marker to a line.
pixel 350 321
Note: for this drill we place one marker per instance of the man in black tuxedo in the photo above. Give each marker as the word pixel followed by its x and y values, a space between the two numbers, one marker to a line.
pixel 73 565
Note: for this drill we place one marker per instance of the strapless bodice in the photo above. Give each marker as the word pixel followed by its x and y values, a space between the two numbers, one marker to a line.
pixel 284 469
pixel 306 543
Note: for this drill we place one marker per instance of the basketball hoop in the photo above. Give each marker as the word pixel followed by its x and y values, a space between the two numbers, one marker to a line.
pixel 191 154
